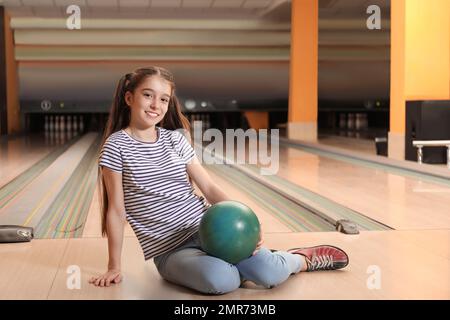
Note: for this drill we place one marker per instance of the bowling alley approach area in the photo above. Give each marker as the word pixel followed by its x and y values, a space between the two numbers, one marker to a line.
pixel 321 122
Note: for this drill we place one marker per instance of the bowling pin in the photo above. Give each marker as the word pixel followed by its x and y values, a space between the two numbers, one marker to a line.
pixel 57 123
pixel 208 124
pixel 70 133
pixel 47 131
pixel 69 123
pixel 351 121
pixel 358 121
pixel 342 121
pixel 50 125
pixel 75 125
pixel 62 124
pixel 81 126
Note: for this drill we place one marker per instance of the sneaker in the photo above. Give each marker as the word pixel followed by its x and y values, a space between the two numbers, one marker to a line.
pixel 322 257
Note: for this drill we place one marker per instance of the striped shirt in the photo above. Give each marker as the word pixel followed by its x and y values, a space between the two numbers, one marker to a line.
pixel 160 202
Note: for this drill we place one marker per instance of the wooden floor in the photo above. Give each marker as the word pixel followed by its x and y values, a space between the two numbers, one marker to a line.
pixel 28 207
pixel 400 202
pixel 412 262
pixel 408 264
pixel 12 159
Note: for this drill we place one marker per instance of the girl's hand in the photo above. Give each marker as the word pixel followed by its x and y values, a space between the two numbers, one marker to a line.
pixel 261 241
pixel 110 277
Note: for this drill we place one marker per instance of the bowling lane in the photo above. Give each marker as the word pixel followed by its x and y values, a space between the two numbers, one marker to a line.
pixel 351 143
pixel 272 223
pixel 54 196
pixel 19 153
pixel 92 227
pixel 394 200
pixel 269 223
pixel 398 201
pixel 392 197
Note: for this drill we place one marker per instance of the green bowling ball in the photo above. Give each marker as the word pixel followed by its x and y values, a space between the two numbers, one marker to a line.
pixel 229 230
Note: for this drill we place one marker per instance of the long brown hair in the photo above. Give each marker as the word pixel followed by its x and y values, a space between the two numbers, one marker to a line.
pixel 120 115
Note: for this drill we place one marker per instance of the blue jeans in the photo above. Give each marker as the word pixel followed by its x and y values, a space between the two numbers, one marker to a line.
pixel 191 267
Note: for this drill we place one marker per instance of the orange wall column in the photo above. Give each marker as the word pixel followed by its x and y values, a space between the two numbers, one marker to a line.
pixel 12 84
pixel 420 60
pixel 303 72
pixel 427 49
pixel 396 144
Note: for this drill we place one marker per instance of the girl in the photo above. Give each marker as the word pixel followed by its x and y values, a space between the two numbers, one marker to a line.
pixel 145 169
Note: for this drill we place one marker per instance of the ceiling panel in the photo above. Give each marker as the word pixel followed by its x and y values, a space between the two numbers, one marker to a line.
pixel 134 3
pixel 21 11
pixel 152 37
pixel 201 80
pixel 166 3
pixel 348 52
pixel 103 3
pixel 38 3
pixel 12 3
pixel 227 3
pixel 66 3
pixel 197 9
pixel 256 4
pixel 197 3
pixel 48 12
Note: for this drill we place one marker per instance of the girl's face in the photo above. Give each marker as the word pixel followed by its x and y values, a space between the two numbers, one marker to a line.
pixel 149 101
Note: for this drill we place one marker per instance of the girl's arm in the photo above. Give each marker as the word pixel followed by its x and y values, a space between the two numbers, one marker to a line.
pixel 207 186
pixel 115 223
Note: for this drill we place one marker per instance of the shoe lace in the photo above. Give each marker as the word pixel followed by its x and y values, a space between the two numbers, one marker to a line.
pixel 322 262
